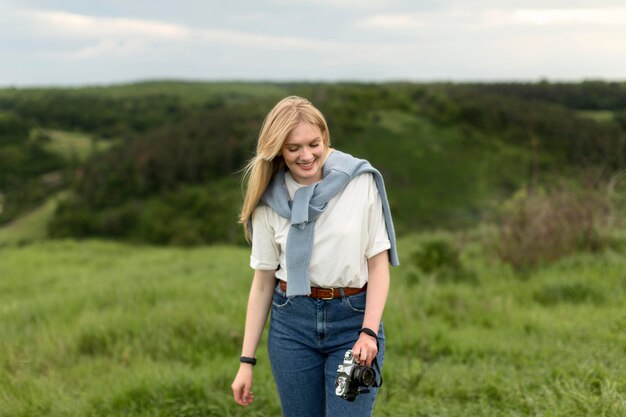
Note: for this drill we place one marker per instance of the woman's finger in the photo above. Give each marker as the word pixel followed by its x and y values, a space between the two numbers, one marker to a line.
pixel 237 393
pixel 247 395
pixel 371 356
pixel 242 394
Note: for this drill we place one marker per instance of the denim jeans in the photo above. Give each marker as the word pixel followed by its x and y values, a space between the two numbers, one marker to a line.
pixel 307 341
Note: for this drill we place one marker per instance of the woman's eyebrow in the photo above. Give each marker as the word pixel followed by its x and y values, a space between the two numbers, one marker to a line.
pixel 297 144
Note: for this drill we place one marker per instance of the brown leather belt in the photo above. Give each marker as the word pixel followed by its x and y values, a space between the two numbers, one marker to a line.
pixel 328 293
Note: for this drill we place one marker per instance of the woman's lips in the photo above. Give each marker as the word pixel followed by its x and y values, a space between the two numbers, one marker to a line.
pixel 306 166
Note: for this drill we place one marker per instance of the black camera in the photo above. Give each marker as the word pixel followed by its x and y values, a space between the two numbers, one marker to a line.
pixel 353 379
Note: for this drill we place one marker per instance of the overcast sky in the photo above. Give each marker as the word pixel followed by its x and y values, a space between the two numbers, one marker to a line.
pixel 75 42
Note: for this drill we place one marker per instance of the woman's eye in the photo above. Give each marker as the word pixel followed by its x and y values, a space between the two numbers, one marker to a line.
pixel 314 145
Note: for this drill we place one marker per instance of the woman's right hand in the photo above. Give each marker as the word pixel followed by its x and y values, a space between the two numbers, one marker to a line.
pixel 242 385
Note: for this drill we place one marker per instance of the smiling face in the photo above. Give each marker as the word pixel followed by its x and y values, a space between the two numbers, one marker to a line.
pixel 303 152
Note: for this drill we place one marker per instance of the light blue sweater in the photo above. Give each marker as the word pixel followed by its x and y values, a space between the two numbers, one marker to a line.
pixel 309 203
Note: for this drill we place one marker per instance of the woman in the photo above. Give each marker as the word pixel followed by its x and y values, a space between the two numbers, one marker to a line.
pixel 322 240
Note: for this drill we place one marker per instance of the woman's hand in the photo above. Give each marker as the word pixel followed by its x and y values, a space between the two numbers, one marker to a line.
pixel 242 385
pixel 365 349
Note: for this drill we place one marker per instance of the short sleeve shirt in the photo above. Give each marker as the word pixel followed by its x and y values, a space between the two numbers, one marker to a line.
pixel 350 230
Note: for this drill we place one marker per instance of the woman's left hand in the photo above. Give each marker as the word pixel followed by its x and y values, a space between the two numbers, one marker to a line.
pixel 365 349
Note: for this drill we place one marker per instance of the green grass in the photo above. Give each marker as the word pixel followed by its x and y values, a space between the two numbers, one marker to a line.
pixel 74 146
pixel 105 329
pixel 601 116
pixel 32 226
pixel 96 328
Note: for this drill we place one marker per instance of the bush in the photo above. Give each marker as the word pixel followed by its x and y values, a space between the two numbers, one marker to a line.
pixel 439 258
pixel 72 219
pixel 573 293
pixel 542 227
pixel 435 255
pixel 189 216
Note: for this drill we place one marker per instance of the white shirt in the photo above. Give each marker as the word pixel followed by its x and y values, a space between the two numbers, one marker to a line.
pixel 350 230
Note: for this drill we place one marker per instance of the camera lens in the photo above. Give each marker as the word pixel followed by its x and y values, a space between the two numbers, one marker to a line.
pixel 365 376
pixel 368 377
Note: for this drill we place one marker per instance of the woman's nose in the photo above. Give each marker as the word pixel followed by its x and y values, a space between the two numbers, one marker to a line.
pixel 305 154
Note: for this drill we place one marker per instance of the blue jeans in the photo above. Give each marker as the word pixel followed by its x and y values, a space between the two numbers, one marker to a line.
pixel 307 341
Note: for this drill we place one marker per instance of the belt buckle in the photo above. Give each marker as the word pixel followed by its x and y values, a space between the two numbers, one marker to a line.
pixel 332 294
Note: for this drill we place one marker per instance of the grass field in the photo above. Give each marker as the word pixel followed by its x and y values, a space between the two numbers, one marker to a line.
pixel 97 328
pixel 32 226
pixel 601 116
pixel 73 145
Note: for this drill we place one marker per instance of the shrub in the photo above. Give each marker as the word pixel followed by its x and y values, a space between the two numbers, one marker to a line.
pixel 435 255
pixel 439 258
pixel 542 227
pixel 573 293
pixel 189 216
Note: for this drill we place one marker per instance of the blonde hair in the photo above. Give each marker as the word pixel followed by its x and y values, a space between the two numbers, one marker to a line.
pixel 277 126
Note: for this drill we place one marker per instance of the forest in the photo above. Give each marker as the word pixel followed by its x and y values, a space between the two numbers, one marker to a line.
pixel 160 162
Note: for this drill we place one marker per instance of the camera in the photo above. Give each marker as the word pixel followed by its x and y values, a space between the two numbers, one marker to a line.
pixel 353 379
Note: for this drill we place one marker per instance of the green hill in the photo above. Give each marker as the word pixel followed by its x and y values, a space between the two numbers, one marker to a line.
pixel 151 157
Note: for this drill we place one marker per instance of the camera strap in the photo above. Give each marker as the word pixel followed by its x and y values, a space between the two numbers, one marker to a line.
pixel 377 384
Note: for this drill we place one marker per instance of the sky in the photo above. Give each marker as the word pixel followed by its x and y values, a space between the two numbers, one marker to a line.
pixel 78 42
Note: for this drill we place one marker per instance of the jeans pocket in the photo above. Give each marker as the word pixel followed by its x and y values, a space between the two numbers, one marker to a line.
pixel 356 302
pixel 280 300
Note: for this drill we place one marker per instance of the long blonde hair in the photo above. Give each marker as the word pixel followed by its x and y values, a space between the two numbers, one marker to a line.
pixel 277 126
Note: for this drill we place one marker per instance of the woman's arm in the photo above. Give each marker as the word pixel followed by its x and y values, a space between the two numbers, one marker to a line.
pixel 377 288
pixel 259 302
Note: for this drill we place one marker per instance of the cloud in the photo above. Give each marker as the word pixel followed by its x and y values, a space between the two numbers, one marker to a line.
pixel 490 18
pixel 347 4
pixel 72 24
pixel 481 43
pixel 270 42
pixel 554 17
pixel 123 36
pixel 447 39
pixel 107 47
pixel 392 21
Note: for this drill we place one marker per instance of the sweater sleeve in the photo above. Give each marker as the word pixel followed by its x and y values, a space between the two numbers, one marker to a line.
pixel 265 253
pixel 377 238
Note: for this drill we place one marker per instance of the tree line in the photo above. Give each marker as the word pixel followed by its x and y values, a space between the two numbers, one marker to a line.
pixel 173 176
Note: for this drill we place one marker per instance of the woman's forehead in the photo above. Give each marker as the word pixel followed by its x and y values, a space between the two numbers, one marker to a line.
pixel 303 133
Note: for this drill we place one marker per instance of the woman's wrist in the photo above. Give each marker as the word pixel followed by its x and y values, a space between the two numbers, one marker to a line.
pixel 368 331
pixel 247 360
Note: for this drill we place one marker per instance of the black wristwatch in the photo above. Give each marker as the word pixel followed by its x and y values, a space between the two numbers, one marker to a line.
pixel 246 359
